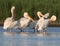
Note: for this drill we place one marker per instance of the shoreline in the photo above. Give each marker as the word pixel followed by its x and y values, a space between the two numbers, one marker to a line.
pixel 54 24
pixel 50 25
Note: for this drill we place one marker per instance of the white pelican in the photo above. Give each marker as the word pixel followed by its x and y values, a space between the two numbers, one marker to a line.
pixel 39 14
pixel 24 21
pixel 48 21
pixel 32 24
pixel 9 23
pixel 43 23
pixel 41 20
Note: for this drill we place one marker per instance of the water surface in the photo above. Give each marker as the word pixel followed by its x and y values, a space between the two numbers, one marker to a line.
pixel 29 38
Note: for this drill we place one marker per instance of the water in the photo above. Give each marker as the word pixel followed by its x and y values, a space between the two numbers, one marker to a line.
pixel 28 38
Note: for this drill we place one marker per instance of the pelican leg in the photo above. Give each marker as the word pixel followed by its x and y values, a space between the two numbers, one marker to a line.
pixel 20 29
pixel 34 29
pixel 37 30
pixel 43 32
pixel 10 30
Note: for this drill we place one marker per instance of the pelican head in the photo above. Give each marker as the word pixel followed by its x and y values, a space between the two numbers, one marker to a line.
pixel 39 13
pixel 12 9
pixel 53 18
pixel 25 14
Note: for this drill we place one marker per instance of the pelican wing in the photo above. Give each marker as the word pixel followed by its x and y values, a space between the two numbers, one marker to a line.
pixel 14 24
pixel 7 23
pixel 39 24
pixel 46 15
pixel 46 22
pixel 24 22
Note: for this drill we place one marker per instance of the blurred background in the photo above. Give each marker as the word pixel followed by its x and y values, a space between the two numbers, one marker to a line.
pixel 30 6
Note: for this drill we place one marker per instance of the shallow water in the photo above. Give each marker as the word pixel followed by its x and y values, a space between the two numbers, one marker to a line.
pixel 29 38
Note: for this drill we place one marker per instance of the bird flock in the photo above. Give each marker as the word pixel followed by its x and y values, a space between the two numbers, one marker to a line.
pixel 40 25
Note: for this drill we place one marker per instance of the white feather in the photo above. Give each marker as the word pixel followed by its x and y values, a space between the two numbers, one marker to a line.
pixel 23 22
pixel 46 15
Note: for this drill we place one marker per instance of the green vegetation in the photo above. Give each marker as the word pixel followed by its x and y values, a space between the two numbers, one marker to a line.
pixel 31 6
